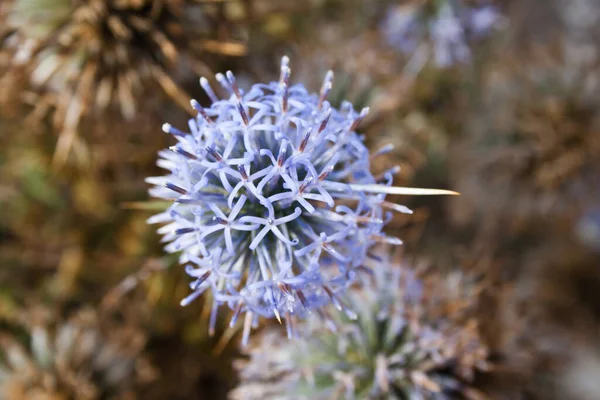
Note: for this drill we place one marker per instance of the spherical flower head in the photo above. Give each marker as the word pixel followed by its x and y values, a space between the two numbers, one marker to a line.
pixel 396 348
pixel 274 206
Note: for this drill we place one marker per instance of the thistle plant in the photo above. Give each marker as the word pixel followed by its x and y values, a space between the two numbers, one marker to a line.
pixel 274 207
pixel 410 341
pixel 439 29
pixel 72 359
pixel 84 56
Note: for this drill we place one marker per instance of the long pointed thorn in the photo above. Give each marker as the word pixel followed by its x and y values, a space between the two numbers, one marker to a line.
pixel 277 316
pixel 374 188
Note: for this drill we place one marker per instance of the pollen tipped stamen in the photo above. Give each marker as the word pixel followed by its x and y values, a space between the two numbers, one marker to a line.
pixel 327 246
pixel 214 153
pixel 284 287
pixel 366 270
pixel 183 152
pixel 324 122
pixel 184 231
pixel 284 69
pixel 242 171
pixel 325 88
pixel 340 305
pixel 220 220
pixel 305 140
pixel 236 313
pixel 332 297
pixel 302 298
pixel 284 99
pixel 208 90
pixel 168 128
pixel 386 239
pixel 175 188
pixel 243 114
pixel 368 220
pixel 305 185
pixel 233 84
pixel 201 280
pixel 388 148
pixel 382 176
pixel 359 119
pixel 281 157
pixel 396 207
pixel 223 82
pixel 200 110
pixel 375 257
pixel 323 175
pixel 190 201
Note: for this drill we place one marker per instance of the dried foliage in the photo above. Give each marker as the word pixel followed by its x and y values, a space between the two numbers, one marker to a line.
pixel 83 56
pixel 531 151
pixel 74 358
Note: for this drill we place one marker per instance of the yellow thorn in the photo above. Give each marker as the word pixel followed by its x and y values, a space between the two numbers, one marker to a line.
pixel 374 188
pixel 277 315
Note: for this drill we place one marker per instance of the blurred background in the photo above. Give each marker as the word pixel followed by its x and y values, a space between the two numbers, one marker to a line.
pixel 499 100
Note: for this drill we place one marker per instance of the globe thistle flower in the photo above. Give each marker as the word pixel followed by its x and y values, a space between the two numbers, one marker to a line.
pixel 72 359
pixel 274 206
pixel 438 29
pixel 410 341
pixel 86 55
